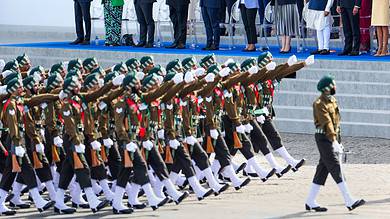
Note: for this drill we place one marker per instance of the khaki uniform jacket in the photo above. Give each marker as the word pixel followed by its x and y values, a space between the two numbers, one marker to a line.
pixel 327 116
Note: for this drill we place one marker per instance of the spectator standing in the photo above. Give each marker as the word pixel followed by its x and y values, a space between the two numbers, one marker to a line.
pixel 248 10
pixel 287 21
pixel 113 21
pixel 349 10
pixel 320 19
pixel 380 20
pixel 82 11
pixel 365 24
pixel 226 4
pixel 144 11
pixel 210 13
pixel 178 13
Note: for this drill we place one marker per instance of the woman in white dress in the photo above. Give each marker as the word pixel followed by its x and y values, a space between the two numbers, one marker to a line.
pixel 318 17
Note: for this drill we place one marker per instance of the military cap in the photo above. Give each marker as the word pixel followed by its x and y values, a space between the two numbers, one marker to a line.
pixel 233 66
pixel 11 65
pixel 100 71
pixel 173 66
pixel 37 72
pixel 146 60
pixel 158 70
pixel 53 81
pixel 14 84
pixel 57 68
pixel 70 84
pixel 169 76
pixel 23 60
pixel 133 64
pixel 75 64
pixel 130 80
pixel 149 81
pixel 110 76
pixel 89 63
pixel 215 69
pixel 29 82
pixel 207 61
pixel 326 83
pixel 247 64
pixel 263 59
pixel 121 68
pixel 188 63
pixel 91 80
pixel 12 76
pixel 72 73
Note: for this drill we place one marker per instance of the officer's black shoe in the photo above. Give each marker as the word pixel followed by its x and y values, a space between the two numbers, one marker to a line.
pixel 241 167
pixel 343 53
pixel 140 44
pixel 140 206
pixel 77 41
pixel 149 45
pixel 250 174
pixel 85 42
pixel 316 209
pixel 354 53
pixel 284 171
pixel 325 52
pixel 184 185
pixel 123 211
pixel 141 193
pixel 224 188
pixel 207 194
pixel 9 197
pixel 64 211
pixel 47 206
pixel 299 164
pixel 8 213
pixel 214 47
pixel 358 203
pixel 182 197
pixel 207 47
pixel 67 198
pixel 244 183
pixel 83 206
pixel 172 46
pixel 102 205
pixel 269 175
pixel 181 46
pixel 21 206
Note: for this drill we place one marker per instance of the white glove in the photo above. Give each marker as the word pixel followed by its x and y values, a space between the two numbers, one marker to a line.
pixel 209 77
pixel 140 75
pixel 191 140
pixel 214 134
pixel 199 72
pixel 228 62
pixel 62 95
pixel 160 79
pixel 240 129
pixel 271 66
pixel 43 105
pixel 58 141
pixel 131 147
pixel 309 60
pixel 2 64
pixel 189 77
pixel 3 90
pixel 224 72
pixel 101 82
pixel 118 80
pixel 248 128
pixel 265 110
pixel 148 145
pixel 19 151
pixel 102 105
pixel 178 78
pixel 337 147
pixel 80 148
pixel 108 142
pixel 223 134
pixel 161 134
pixel 96 145
pixel 260 119
pixel 40 148
pixel 253 70
pixel 174 144
pixel 292 60
pixel 200 140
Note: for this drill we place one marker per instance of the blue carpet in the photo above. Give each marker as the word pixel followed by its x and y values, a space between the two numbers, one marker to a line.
pixel 224 51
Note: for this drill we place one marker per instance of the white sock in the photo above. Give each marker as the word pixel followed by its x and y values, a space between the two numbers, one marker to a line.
pixel 171 190
pixel 113 186
pixel 132 191
pixel 16 190
pixel 76 194
pixel 93 201
pixel 311 198
pixel 229 172
pixel 198 172
pixel 326 34
pixel 106 189
pixel 153 200
pixel 56 179
pixel 3 196
pixel 249 169
pixel 259 170
pixel 37 198
pixel 158 188
pixel 117 202
pixel 349 201
pixel 96 187
pixel 173 177
pixel 60 195
pixel 198 189
pixel 273 163
pixel 41 186
pixel 287 157
pixel 152 178
pixel 215 166
pixel 320 38
pixel 50 188
pixel 211 180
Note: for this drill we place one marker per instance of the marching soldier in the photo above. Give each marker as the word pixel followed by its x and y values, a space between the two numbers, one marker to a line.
pixel 327 122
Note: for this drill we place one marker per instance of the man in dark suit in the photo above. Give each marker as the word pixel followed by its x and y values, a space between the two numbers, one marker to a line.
pixel 178 12
pixel 210 14
pixel 144 11
pixel 226 4
pixel 349 10
pixel 82 10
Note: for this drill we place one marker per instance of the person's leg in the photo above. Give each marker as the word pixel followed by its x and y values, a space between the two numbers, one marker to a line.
pixel 346 16
pixel 108 22
pixel 288 44
pixel 213 13
pixel 355 22
pixel 183 17
pixel 283 43
pixel 326 36
pixel 85 7
pixel 78 15
pixel 147 9
pixel 320 39
pixel 380 40
pixel 222 15
pixel 207 24
pixel 385 33
pixel 142 23
pixel 174 16
pixel 244 17
pixel 117 24
pixel 251 14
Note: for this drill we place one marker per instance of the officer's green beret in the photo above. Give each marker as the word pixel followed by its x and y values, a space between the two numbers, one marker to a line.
pixel 23 60
pixel 89 63
pixel 149 81
pixel 39 70
pixel 130 80
pixel 158 70
pixel 169 76
pixel 121 68
pixel 75 64
pixel 53 81
pixel 110 76
pixel 233 66
pixel 11 65
pixel 133 64
pixel 208 61
pixel 91 80
pixel 57 68
pixel 188 63
pixel 70 84
pixel 173 66
pixel 14 84
pixel 29 82
pixel 326 83
pixel 99 71
pixel 215 69
pixel 72 73
pixel 247 64
pixel 146 60
pixel 12 76
pixel 263 59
